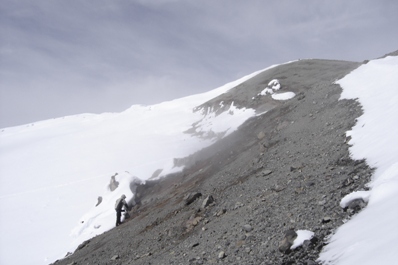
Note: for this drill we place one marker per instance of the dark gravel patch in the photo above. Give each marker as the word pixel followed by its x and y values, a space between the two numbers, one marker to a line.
pixel 286 169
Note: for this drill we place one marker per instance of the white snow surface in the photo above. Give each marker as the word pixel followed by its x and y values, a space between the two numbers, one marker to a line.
pixel 271 89
pixel 302 235
pixel 371 236
pixel 274 84
pixel 53 171
pixel 283 96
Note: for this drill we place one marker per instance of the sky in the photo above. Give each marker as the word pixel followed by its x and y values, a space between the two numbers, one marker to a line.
pixel 60 58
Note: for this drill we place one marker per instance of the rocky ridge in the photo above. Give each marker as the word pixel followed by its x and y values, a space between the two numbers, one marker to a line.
pixel 241 200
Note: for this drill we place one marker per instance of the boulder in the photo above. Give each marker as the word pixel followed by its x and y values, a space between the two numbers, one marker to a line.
pixel 191 197
pixel 287 241
pixel 356 205
pixel 207 201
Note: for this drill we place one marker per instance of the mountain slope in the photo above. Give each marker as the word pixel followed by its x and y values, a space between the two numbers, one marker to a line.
pixel 62 168
pixel 284 169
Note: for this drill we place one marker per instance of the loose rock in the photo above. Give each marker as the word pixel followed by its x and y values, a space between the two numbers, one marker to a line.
pixel 207 201
pixel 191 197
pixel 247 228
pixel 287 242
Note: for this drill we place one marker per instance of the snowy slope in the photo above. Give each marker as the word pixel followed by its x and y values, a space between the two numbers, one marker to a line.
pixel 371 236
pixel 53 171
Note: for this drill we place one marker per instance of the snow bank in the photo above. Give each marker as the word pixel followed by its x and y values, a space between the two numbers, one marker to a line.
pixel 371 236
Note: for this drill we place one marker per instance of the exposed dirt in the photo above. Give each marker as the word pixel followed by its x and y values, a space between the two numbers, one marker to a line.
pixel 285 169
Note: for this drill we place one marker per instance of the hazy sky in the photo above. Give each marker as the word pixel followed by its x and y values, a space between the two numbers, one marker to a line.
pixel 62 58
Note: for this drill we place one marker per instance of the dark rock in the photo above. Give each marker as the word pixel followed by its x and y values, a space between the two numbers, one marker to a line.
pixel 287 242
pixel 326 220
pixel 294 168
pixel 195 245
pixel 300 96
pixel 207 201
pixel 314 240
pixel 344 161
pixel 113 184
pixel 356 205
pixel 191 197
pixel 347 182
pixel 306 244
pixel 221 212
pixel 99 200
pixel 310 244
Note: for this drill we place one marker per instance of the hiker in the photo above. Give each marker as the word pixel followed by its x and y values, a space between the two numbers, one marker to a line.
pixel 119 206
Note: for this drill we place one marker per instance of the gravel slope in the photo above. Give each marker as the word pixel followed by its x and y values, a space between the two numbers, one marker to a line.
pixel 286 169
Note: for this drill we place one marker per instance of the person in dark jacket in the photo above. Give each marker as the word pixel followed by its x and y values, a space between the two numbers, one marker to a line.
pixel 120 203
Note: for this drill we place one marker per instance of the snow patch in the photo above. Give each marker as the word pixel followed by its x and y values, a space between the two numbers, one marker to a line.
pixel 274 86
pixel 302 235
pixel 283 96
pixel 213 125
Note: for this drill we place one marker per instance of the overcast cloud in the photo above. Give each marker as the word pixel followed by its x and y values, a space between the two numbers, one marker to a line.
pixel 62 58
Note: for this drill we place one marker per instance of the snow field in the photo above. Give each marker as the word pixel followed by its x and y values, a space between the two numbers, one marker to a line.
pixel 371 236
